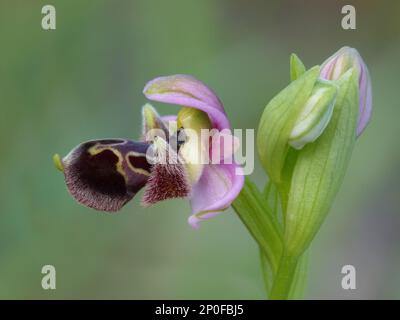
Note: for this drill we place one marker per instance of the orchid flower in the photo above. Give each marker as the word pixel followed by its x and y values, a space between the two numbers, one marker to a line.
pixel 106 174
pixel 305 138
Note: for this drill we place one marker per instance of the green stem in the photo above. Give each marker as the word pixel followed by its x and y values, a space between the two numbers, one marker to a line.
pixel 268 275
pixel 300 278
pixel 284 278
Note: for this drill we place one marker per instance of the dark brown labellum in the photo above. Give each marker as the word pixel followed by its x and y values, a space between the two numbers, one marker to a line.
pixel 106 174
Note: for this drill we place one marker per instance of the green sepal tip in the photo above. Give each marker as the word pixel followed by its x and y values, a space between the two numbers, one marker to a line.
pixel 57 162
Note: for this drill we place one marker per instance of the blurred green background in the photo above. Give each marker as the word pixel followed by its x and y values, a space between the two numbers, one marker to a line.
pixel 84 80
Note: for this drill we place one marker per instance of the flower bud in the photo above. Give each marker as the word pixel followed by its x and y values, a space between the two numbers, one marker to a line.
pixel 315 114
pixel 335 66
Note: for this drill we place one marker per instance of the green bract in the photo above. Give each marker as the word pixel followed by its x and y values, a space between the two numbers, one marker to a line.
pixel 278 121
pixel 297 67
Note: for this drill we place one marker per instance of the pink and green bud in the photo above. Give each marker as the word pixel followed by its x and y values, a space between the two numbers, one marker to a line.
pixel 335 66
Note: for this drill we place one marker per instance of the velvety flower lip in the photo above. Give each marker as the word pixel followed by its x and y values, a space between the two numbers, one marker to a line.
pixel 337 65
pixel 185 90
pixel 105 174
pixel 219 184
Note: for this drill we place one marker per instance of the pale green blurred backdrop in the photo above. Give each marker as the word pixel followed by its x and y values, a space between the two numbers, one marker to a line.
pixel 84 80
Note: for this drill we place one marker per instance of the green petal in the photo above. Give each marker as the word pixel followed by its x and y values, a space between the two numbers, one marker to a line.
pixel 152 123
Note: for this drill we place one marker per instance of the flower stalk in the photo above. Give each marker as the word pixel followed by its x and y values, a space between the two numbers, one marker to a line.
pixel 257 216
